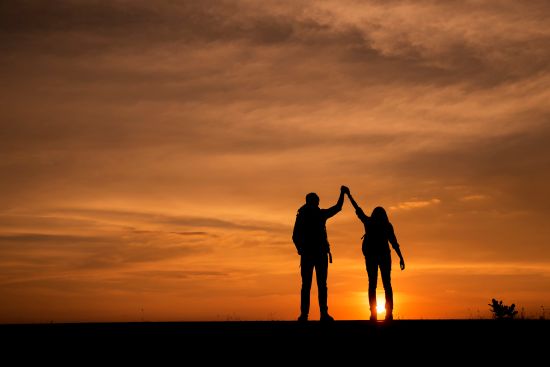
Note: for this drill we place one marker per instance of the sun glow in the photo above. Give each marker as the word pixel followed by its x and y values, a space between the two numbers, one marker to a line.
pixel 380 304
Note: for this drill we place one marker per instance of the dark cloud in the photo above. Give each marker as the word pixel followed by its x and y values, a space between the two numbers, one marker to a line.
pixel 22 238
pixel 77 252
pixel 513 165
pixel 13 222
pixel 135 217
pixel 104 24
pixel 383 46
pixel 168 274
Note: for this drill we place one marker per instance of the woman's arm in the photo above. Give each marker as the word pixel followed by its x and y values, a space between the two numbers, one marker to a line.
pixel 396 247
pixel 360 214
pixel 353 201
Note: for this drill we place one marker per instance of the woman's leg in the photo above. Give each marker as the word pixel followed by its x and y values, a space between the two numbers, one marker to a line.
pixel 385 272
pixel 372 272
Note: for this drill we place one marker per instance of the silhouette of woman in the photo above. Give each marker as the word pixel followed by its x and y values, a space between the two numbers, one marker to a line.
pixel 378 232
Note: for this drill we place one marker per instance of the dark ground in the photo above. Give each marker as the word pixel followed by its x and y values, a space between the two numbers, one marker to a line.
pixel 440 342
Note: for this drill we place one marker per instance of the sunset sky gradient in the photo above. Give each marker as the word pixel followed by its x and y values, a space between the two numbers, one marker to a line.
pixel 154 154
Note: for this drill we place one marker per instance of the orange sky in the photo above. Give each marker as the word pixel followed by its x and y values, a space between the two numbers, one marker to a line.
pixel 154 154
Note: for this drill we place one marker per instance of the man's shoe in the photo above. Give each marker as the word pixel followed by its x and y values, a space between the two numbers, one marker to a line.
pixel 373 317
pixel 326 317
pixel 389 317
pixel 302 318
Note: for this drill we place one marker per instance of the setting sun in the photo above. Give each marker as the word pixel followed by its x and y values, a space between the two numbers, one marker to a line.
pixel 380 306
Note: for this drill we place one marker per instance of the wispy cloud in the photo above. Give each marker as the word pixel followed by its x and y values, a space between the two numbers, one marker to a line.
pixel 474 197
pixel 492 268
pixel 415 204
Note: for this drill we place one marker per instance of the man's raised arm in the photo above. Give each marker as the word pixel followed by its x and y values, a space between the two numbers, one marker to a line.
pixel 336 208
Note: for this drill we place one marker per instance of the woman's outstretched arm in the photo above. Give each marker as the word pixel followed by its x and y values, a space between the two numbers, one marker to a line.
pixel 396 247
pixel 353 201
pixel 358 209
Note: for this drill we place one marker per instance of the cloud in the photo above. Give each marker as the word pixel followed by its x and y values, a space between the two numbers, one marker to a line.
pixel 22 238
pixel 474 197
pixel 490 268
pixel 191 233
pixel 115 247
pixel 113 250
pixel 182 274
pixel 415 204
pixel 137 218
pixel 500 166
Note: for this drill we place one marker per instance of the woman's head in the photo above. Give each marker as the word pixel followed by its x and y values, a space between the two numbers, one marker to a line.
pixel 379 214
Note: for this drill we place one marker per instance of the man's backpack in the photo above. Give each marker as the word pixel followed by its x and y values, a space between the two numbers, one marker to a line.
pixel 298 233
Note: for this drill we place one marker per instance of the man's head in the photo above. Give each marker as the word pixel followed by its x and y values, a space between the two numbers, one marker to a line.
pixel 312 199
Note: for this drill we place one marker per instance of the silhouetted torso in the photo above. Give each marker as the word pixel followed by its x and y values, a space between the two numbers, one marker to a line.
pixel 311 228
pixel 378 235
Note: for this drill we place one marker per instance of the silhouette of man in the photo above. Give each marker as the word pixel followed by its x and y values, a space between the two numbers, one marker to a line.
pixel 378 232
pixel 310 237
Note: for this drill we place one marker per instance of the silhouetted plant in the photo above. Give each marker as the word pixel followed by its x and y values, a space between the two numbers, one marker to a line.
pixel 522 313
pixel 502 311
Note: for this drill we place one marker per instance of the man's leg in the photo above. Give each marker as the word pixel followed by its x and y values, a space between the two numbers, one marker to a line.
pixel 306 266
pixel 385 272
pixel 321 273
pixel 372 272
